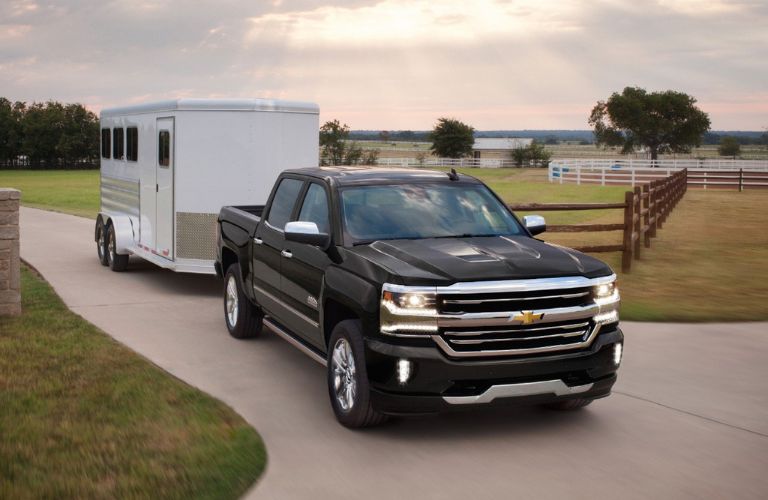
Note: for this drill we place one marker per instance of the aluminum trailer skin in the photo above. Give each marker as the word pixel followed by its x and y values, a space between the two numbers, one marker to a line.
pixel 168 167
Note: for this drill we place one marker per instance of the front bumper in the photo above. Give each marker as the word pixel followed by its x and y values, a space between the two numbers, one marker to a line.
pixel 437 383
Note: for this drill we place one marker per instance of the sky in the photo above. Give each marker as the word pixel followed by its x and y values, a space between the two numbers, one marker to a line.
pixel 394 64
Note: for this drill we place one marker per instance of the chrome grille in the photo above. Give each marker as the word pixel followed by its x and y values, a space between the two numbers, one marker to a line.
pixel 516 301
pixel 515 322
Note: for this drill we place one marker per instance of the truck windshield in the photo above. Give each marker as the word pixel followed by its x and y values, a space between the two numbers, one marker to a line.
pixel 387 212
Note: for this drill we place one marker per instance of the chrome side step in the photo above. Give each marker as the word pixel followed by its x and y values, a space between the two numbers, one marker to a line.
pixel 295 342
pixel 556 387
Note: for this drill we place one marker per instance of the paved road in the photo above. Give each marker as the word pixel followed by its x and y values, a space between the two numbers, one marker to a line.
pixel 688 419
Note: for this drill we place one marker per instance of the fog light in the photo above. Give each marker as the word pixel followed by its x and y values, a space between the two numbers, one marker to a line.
pixel 617 352
pixel 403 371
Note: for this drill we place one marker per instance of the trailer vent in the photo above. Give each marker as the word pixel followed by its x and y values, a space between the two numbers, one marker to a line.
pixel 196 236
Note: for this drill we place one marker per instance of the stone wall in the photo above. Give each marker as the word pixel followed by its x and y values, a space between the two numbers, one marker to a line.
pixel 10 286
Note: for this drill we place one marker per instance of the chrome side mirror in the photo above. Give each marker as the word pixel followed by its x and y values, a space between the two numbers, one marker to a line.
pixel 306 232
pixel 535 224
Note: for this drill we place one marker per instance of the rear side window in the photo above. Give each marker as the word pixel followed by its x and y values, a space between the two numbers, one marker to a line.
pixel 315 207
pixel 117 146
pixel 164 148
pixel 283 202
pixel 132 144
pixel 106 143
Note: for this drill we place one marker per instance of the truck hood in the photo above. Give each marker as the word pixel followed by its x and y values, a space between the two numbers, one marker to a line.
pixel 480 258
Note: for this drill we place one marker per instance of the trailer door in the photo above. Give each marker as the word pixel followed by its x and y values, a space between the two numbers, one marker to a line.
pixel 164 189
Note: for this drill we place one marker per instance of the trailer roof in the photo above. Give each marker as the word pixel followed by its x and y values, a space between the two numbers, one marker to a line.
pixel 264 105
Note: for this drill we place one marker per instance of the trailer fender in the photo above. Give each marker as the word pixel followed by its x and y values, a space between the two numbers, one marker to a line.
pixel 123 228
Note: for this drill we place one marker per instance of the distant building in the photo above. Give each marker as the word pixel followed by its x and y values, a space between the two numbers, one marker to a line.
pixel 497 147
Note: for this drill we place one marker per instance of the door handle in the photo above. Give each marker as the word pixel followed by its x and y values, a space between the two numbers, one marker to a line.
pixel 258 240
pixel 287 254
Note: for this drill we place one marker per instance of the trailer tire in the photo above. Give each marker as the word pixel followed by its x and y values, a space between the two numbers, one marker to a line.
pixel 243 318
pixel 348 384
pixel 568 404
pixel 101 242
pixel 116 262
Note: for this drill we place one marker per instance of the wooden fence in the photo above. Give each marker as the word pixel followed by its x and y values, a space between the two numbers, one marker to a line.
pixel 728 179
pixel 645 209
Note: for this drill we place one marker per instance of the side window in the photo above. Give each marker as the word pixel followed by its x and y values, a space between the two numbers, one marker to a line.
pixel 164 148
pixel 106 143
pixel 132 144
pixel 117 144
pixel 283 202
pixel 315 207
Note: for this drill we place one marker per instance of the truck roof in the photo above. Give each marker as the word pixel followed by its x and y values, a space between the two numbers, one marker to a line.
pixel 264 105
pixel 348 175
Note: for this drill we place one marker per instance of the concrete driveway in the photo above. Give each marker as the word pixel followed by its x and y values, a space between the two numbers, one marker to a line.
pixel 688 418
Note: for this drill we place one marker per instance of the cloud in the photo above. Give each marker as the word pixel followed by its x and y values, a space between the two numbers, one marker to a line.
pixel 393 63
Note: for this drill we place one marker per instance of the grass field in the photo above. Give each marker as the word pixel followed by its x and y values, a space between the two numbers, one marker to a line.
pixel 684 276
pixel 70 191
pixel 81 416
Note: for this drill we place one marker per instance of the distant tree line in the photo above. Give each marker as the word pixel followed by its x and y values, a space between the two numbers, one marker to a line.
pixel 47 135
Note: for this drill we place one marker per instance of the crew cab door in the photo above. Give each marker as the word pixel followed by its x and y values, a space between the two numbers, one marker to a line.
pixel 303 267
pixel 268 244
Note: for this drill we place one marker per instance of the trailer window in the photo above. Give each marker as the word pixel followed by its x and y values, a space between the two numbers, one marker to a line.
pixel 164 148
pixel 106 143
pixel 282 204
pixel 117 145
pixel 132 144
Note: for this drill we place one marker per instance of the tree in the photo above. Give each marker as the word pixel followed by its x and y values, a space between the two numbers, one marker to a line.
pixel 729 146
pixel 663 122
pixel 336 149
pixel 452 138
pixel 10 129
pixel 534 154
pixel 384 136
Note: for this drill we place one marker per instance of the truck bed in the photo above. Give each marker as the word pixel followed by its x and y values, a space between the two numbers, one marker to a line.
pixel 246 217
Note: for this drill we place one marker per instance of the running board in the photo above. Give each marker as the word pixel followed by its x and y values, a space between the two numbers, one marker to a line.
pixel 295 342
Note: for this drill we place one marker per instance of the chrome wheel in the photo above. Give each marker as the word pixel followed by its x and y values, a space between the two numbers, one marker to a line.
pixel 111 244
pixel 232 303
pixel 344 383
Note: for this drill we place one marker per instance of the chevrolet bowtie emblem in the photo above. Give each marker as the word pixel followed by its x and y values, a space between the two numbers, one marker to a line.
pixel 527 317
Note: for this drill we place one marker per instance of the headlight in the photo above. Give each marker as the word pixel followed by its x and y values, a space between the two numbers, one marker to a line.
pixel 409 304
pixel 605 290
pixel 606 293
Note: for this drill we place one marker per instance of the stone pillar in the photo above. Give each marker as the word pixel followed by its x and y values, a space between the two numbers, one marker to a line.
pixel 10 279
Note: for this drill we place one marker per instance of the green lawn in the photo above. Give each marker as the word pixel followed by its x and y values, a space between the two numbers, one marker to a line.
pixel 82 416
pixel 70 191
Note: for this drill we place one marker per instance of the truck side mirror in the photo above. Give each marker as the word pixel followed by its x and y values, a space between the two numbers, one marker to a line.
pixel 306 232
pixel 535 224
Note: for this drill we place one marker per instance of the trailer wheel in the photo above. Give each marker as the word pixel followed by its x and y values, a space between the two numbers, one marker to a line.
pixel 101 242
pixel 243 318
pixel 116 261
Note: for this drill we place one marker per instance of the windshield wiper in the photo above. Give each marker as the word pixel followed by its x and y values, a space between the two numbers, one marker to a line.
pixel 465 235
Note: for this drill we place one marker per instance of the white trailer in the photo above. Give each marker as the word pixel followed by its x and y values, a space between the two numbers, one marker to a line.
pixel 168 167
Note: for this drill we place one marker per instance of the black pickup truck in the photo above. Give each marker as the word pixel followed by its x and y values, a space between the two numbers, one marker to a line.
pixel 420 291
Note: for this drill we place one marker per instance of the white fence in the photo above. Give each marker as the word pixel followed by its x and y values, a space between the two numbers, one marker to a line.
pixel 635 171
pixel 446 162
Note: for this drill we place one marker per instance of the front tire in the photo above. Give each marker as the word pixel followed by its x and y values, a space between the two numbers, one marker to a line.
pixel 115 261
pixel 348 385
pixel 243 319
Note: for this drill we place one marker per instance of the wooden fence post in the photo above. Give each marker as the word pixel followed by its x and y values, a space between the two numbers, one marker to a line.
pixel 637 220
pixel 626 254
pixel 654 207
pixel 647 216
